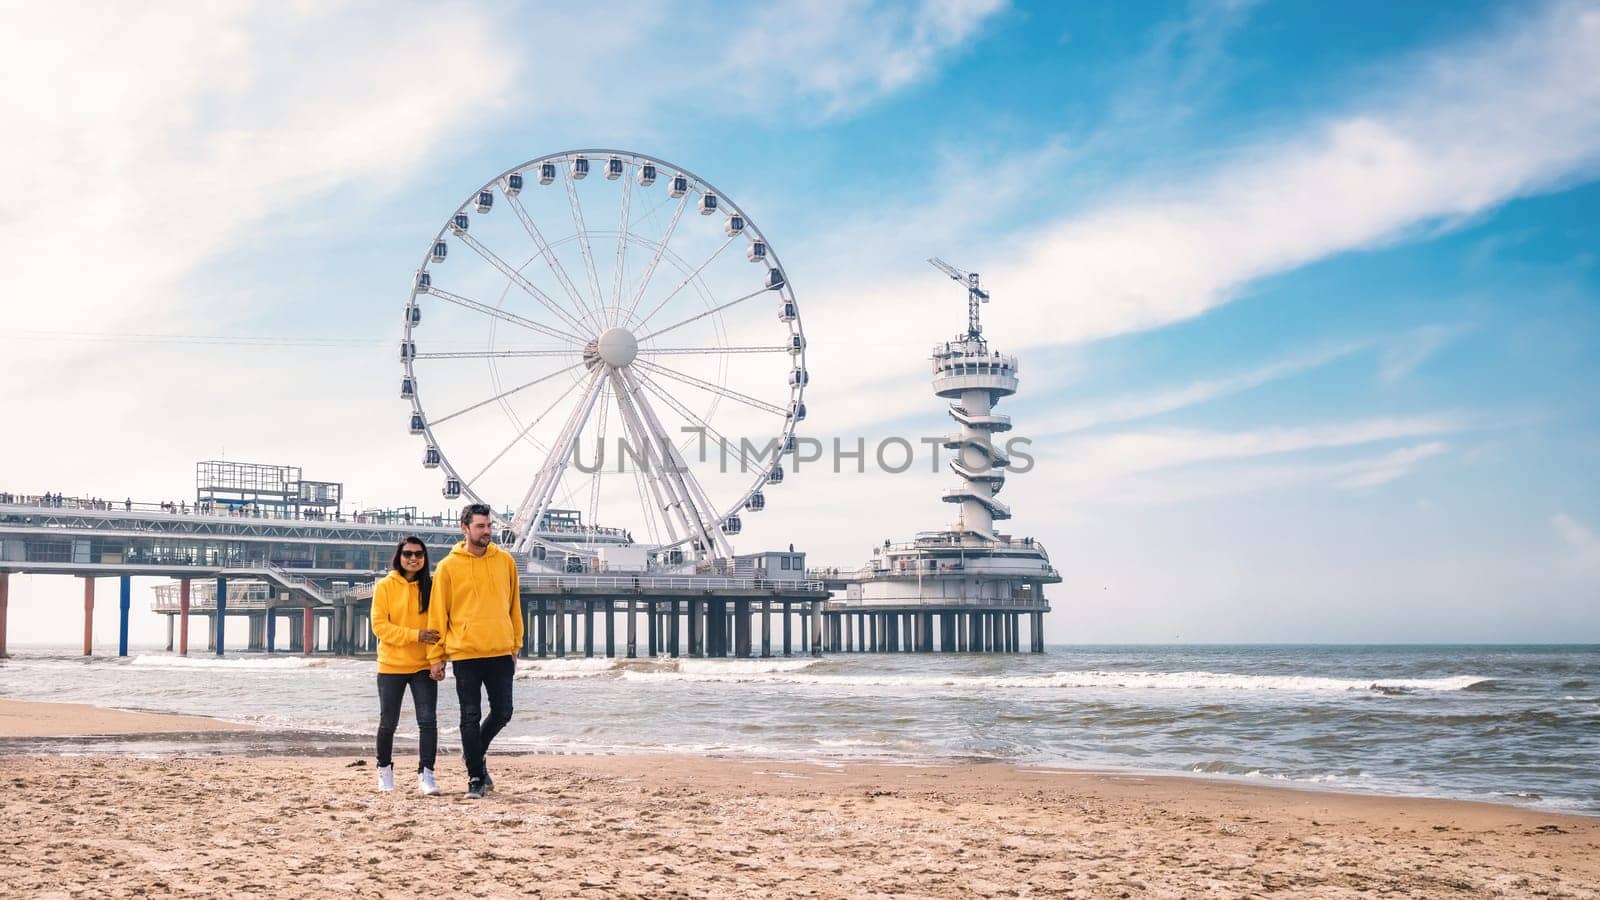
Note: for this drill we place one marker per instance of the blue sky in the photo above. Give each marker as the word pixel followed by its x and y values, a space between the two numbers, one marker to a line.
pixel 1306 295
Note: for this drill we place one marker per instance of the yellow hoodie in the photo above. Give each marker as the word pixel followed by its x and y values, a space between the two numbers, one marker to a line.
pixel 396 619
pixel 475 605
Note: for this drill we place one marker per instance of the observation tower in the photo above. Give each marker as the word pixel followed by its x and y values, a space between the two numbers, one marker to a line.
pixel 977 581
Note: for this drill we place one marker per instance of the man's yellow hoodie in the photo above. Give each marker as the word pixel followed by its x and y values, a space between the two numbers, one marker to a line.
pixel 396 619
pixel 475 606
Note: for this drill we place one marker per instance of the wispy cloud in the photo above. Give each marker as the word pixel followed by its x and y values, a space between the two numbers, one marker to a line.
pixel 1403 357
pixel 1583 541
pixel 1172 464
pixel 1127 409
pixel 839 56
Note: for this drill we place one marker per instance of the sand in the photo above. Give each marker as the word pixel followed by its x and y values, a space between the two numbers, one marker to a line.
pixel 21 718
pixel 672 826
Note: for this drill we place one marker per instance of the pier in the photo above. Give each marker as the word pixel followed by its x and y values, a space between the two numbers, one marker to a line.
pixel 310 576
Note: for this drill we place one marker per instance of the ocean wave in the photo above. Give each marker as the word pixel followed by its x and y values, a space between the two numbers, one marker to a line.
pixel 555 669
pixel 1085 679
pixel 742 666
pixel 245 663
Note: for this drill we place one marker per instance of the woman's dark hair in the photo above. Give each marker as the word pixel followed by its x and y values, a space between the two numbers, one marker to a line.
pixel 424 577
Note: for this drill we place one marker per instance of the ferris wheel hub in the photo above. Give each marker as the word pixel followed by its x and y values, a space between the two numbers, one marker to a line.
pixel 618 347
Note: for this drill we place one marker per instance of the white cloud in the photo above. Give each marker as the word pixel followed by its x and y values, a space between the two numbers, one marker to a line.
pixel 154 138
pixel 1460 131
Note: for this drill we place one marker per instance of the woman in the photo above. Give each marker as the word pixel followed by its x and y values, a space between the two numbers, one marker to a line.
pixel 400 622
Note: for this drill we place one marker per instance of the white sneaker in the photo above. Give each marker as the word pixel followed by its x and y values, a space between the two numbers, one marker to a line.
pixel 425 783
pixel 386 778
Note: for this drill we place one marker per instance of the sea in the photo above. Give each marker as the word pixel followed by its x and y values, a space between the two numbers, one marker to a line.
pixel 1510 724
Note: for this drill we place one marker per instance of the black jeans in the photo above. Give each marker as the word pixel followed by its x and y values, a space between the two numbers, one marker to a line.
pixel 474 676
pixel 425 698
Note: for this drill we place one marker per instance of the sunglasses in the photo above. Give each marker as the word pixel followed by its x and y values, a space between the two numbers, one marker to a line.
pixel 411 554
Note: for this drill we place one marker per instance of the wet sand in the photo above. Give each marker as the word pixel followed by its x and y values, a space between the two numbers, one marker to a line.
pixel 678 826
pixel 30 719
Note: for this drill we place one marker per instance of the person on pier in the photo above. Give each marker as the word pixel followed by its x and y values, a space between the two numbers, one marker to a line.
pixel 400 602
pixel 478 613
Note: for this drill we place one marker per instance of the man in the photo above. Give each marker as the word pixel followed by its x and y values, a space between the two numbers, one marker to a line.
pixel 478 612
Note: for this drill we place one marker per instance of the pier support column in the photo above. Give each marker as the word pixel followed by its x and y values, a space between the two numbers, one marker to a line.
pixel 124 604
pixel 651 627
pixel 1016 632
pixel 5 604
pixel 308 631
pixel 766 628
pixel 272 629
pixel 633 628
pixel 816 629
pixel 1036 629
pixel 696 629
pixel 183 617
pixel 559 626
pixel 787 650
pixel 88 616
pixel 674 633
pixel 528 630
pixel 255 632
pixel 169 634
pixel 541 628
pixel 741 629
pixel 572 625
pixel 611 628
pixel 588 628
pixel 220 619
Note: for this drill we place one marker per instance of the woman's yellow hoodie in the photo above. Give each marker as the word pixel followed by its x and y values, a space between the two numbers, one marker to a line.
pixel 396 619
pixel 475 606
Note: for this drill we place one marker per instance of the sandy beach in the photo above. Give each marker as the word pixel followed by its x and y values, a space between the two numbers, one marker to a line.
pixel 673 826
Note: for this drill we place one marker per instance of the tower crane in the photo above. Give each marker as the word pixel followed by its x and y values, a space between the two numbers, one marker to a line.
pixel 975 294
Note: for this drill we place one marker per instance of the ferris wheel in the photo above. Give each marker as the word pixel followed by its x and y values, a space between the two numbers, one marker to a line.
pixel 607 345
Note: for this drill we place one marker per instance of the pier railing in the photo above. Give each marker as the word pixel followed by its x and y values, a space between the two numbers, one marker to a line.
pixel 628 584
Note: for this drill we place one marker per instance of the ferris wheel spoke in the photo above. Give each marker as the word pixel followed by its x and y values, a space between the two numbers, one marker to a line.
pixel 543 247
pixel 706 520
pixel 648 471
pixel 709 351
pixel 622 251
pixel 710 386
pixel 673 499
pixel 682 410
pixel 502 395
pixel 537 500
pixel 518 279
pixel 688 278
pixel 498 354
pixel 600 470
pixel 655 259
pixel 583 240
pixel 715 309
pixel 497 313
pixel 524 434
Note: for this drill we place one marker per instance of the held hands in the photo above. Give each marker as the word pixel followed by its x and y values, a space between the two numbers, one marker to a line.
pixel 436 671
pixel 428 636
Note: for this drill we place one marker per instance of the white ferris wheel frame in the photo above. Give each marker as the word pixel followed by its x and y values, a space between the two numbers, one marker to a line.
pixel 665 479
